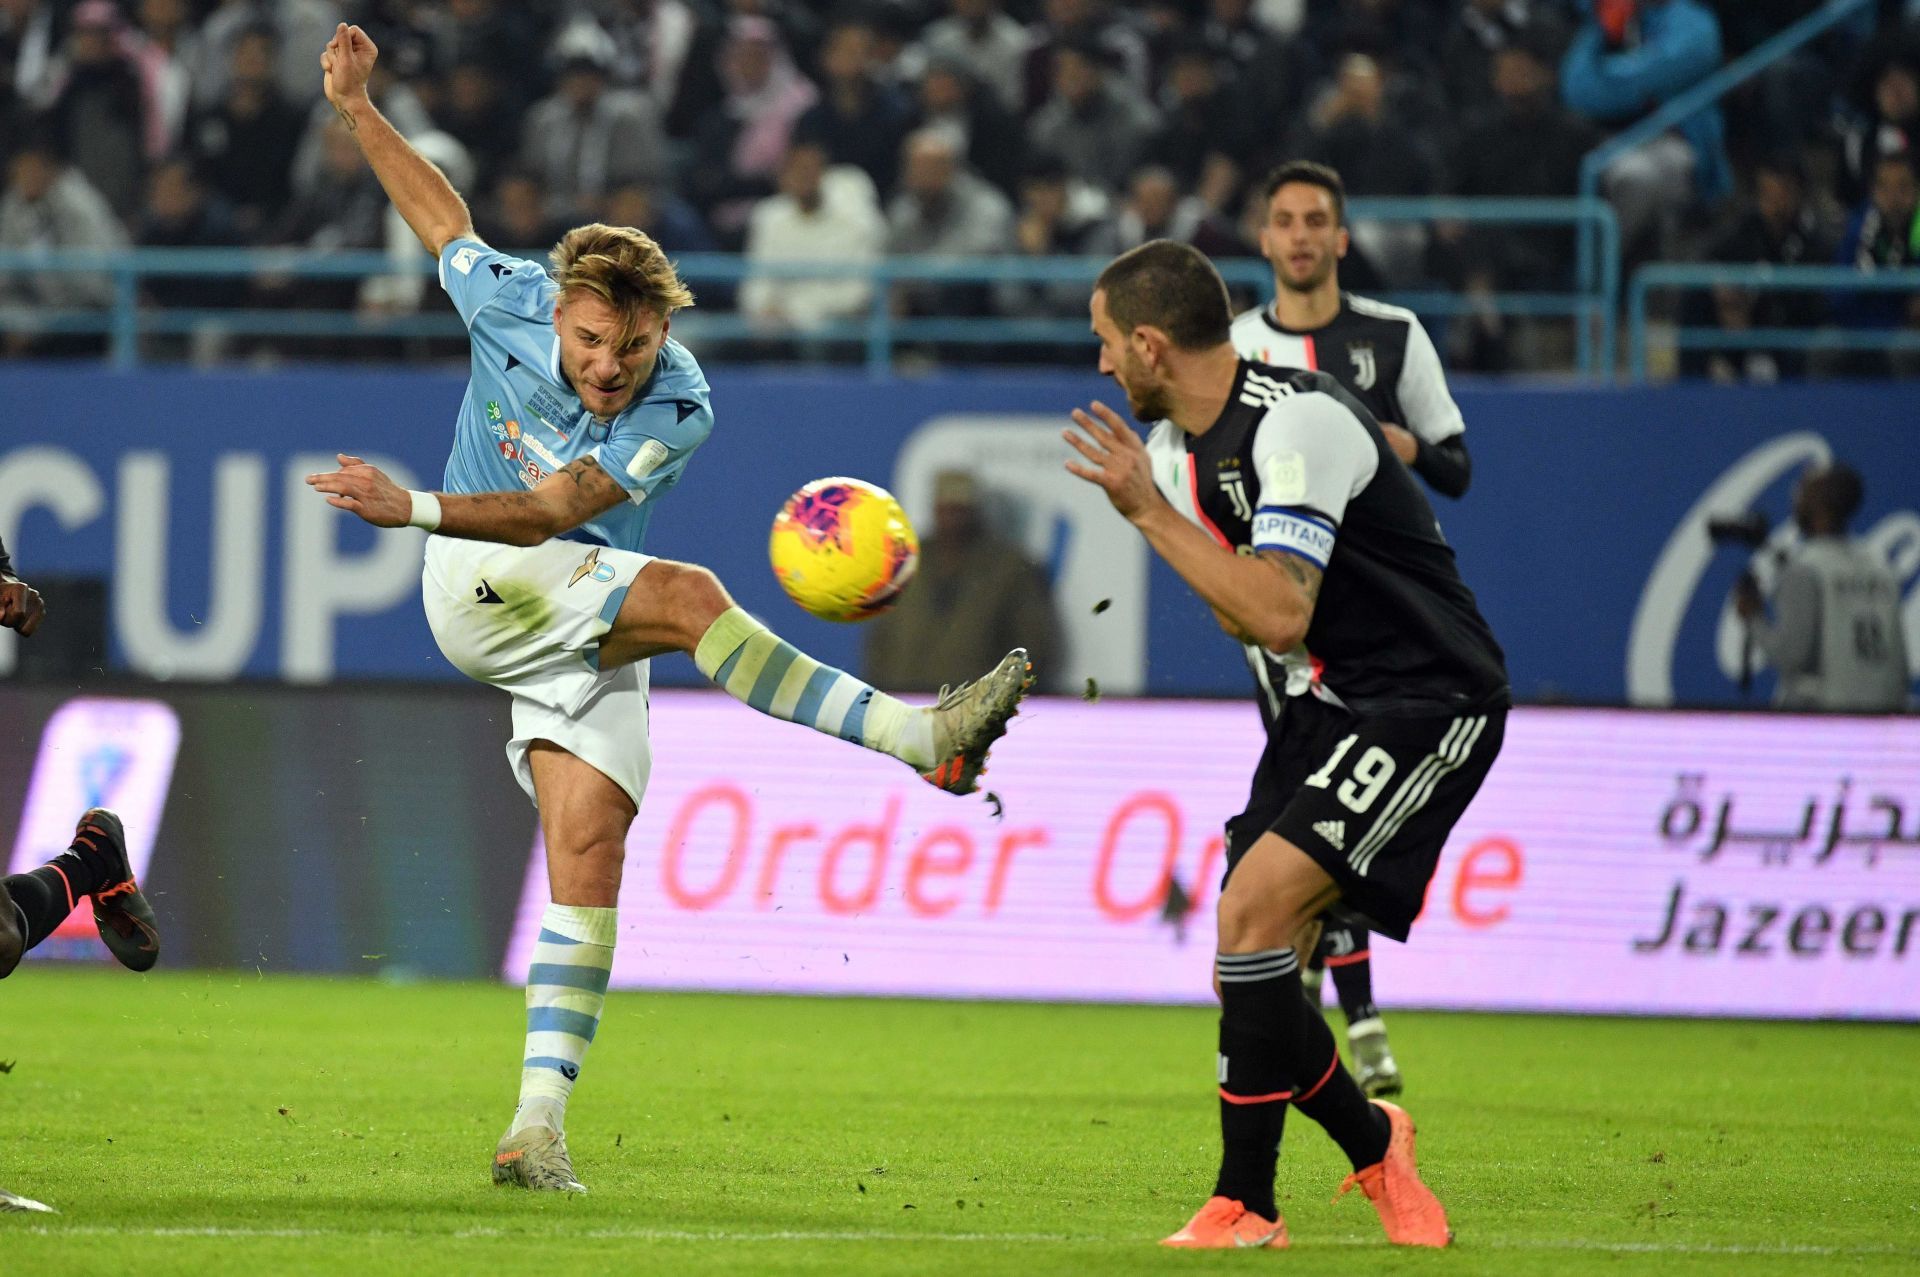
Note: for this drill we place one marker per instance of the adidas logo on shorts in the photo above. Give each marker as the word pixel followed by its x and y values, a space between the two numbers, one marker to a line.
pixel 1334 831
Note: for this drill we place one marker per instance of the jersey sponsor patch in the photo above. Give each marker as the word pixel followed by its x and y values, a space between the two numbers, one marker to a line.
pixel 464 258
pixel 1295 532
pixel 1283 477
pixel 650 457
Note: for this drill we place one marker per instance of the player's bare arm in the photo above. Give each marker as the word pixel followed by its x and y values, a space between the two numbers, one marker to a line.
pixel 559 503
pixel 414 183
pixel 21 607
pixel 1266 600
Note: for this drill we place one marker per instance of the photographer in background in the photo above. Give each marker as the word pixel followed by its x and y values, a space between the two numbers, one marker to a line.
pixel 1835 636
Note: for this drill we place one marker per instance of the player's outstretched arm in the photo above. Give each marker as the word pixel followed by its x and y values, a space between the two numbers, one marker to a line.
pixel 559 503
pixel 416 186
pixel 1267 598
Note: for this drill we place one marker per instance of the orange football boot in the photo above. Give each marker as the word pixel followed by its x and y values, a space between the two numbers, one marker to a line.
pixel 1224 1224
pixel 1409 1211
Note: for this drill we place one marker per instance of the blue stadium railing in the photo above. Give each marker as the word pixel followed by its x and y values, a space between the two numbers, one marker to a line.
pixel 127 318
pixel 1678 277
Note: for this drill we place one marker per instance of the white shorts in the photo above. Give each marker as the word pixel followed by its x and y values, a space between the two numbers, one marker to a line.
pixel 529 621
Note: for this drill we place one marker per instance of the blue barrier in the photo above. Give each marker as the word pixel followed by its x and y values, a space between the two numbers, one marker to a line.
pixel 1764 278
pixel 1583 535
pixel 879 333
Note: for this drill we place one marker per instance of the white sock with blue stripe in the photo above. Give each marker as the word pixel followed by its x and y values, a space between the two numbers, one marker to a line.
pixel 757 666
pixel 566 988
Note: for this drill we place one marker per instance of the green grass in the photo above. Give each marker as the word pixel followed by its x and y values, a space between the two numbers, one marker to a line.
pixel 196 1123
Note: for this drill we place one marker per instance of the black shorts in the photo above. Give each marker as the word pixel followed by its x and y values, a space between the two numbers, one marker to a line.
pixel 1371 799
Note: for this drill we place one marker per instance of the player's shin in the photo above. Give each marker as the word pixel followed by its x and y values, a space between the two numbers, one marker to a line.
pixel 758 667
pixel 566 990
pixel 44 897
pixel 1327 1093
pixel 1255 1080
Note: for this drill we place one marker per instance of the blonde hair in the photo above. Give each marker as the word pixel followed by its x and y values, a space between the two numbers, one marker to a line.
pixel 624 268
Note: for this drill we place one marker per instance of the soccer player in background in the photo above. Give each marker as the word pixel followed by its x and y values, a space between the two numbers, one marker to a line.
pixel 1278 499
pixel 580 414
pixel 1385 359
pixel 94 865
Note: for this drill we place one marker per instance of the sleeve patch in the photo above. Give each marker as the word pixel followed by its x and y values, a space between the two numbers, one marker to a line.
pixel 1295 533
pixel 1283 477
pixel 464 258
pixel 650 457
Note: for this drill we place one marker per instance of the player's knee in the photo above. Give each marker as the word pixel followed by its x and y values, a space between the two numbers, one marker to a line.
pixel 692 597
pixel 1251 919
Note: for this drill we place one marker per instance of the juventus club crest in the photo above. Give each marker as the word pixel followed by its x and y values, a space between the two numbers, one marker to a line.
pixel 1365 372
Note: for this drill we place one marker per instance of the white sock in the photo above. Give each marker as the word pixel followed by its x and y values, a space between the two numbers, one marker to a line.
pixel 566 989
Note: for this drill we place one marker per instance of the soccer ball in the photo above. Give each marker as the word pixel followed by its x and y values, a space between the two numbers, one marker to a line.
pixel 843 549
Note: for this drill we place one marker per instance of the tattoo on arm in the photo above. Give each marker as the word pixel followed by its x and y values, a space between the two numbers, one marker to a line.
pixel 346 117
pixel 1304 574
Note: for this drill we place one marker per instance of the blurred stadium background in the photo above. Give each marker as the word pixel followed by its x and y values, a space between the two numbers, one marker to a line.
pixel 1659 289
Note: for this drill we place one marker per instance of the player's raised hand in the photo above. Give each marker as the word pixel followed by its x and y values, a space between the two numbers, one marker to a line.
pixel 364 490
pixel 345 64
pixel 21 607
pixel 1117 459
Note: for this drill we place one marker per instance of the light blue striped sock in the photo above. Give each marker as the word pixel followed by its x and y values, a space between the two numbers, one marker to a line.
pixel 757 666
pixel 566 988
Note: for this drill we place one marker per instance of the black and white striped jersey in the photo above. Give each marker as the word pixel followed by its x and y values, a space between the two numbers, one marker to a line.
pixel 1297 464
pixel 1386 359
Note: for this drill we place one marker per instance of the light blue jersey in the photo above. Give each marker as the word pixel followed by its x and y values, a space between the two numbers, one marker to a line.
pixel 521 421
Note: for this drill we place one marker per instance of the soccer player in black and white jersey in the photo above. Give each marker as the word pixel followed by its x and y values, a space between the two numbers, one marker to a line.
pixel 1384 357
pixel 1276 496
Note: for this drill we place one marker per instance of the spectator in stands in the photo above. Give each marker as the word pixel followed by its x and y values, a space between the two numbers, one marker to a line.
pixel 245 143
pixel 164 50
pixel 345 208
pixel 1206 136
pixel 515 216
pixel 1889 123
pixel 498 34
pixel 671 221
pixel 943 210
pixel 299 29
pixel 992 139
pixel 1099 127
pixel 974 588
pixel 1629 58
pixel 1777 226
pixel 860 119
pixel 99 112
pixel 1480 31
pixel 1270 75
pixel 1378 151
pixel 1059 217
pixel 1153 209
pixel 475 111
pixel 1883 234
pixel 587 138
pixel 981 39
pixel 1522 143
pixel 181 212
pixel 743 144
pixel 1836 636
pixel 49 205
pixel 1087 25
pixel 822 213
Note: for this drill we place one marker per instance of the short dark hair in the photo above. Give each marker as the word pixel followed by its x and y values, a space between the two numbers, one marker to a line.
pixel 1837 489
pixel 1172 287
pixel 1323 176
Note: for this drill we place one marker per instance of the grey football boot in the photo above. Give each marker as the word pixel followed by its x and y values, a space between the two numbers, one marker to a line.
pixel 536 1158
pixel 968 719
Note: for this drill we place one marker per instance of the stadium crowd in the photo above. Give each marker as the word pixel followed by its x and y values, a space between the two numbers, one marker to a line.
pixel 842 132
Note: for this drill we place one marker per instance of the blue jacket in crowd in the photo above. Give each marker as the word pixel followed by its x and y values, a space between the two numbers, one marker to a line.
pixel 1678 46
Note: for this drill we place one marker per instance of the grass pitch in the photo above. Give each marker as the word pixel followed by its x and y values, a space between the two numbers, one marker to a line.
pixel 196 1123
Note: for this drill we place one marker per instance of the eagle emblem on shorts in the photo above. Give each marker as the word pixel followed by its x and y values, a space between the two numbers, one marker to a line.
pixel 592 567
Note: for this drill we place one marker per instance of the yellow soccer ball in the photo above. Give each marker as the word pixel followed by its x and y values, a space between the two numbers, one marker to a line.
pixel 843 549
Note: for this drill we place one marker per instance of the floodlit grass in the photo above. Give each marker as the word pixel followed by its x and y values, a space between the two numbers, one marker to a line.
pixel 214 1123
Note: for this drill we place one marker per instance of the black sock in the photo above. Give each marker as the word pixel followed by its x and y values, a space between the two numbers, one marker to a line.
pixel 1255 1081
pixel 1349 958
pixel 1332 1098
pixel 43 900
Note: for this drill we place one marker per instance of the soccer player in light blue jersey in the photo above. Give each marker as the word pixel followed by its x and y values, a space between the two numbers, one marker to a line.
pixel 581 414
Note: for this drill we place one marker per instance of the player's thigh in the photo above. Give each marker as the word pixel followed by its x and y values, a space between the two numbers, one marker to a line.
pixel 505 614
pixel 1275 892
pixel 584 819
pixel 669 608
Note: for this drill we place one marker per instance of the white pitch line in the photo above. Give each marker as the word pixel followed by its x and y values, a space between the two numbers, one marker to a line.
pixel 727 1237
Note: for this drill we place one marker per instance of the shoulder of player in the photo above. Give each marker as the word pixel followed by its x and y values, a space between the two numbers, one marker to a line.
pixel 1308 407
pixel 1379 312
